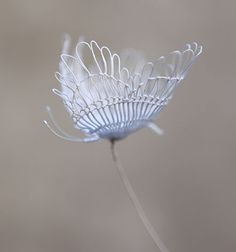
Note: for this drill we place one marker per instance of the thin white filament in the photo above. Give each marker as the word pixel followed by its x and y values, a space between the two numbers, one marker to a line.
pixel 56 125
pixel 137 205
pixel 59 132
pixel 60 135
pixel 156 129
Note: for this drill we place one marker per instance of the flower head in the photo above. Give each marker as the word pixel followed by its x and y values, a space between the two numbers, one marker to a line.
pixel 110 96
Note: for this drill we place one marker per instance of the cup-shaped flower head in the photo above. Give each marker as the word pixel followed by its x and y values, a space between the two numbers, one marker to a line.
pixel 110 96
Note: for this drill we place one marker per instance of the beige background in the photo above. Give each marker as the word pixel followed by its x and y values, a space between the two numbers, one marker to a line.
pixel 58 196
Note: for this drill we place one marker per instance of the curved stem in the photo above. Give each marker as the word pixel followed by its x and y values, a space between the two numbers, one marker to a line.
pixel 133 197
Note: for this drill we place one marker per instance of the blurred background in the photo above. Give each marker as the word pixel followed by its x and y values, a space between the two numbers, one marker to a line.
pixel 58 196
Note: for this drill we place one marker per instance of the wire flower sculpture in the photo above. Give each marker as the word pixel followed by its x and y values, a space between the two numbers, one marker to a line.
pixel 110 96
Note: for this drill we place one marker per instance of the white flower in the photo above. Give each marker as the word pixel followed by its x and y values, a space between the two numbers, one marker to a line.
pixel 110 96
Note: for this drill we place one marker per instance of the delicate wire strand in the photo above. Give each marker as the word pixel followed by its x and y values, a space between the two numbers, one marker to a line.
pixel 155 128
pixel 56 125
pixel 133 197
pixel 59 132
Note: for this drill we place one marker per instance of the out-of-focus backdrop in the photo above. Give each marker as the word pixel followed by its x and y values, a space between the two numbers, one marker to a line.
pixel 57 196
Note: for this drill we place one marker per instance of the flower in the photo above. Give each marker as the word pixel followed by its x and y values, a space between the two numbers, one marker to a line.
pixel 110 96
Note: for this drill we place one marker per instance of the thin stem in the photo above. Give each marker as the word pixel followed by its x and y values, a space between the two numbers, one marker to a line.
pixel 135 201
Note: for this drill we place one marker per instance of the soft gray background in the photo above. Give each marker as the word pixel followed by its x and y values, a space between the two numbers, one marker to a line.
pixel 58 196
